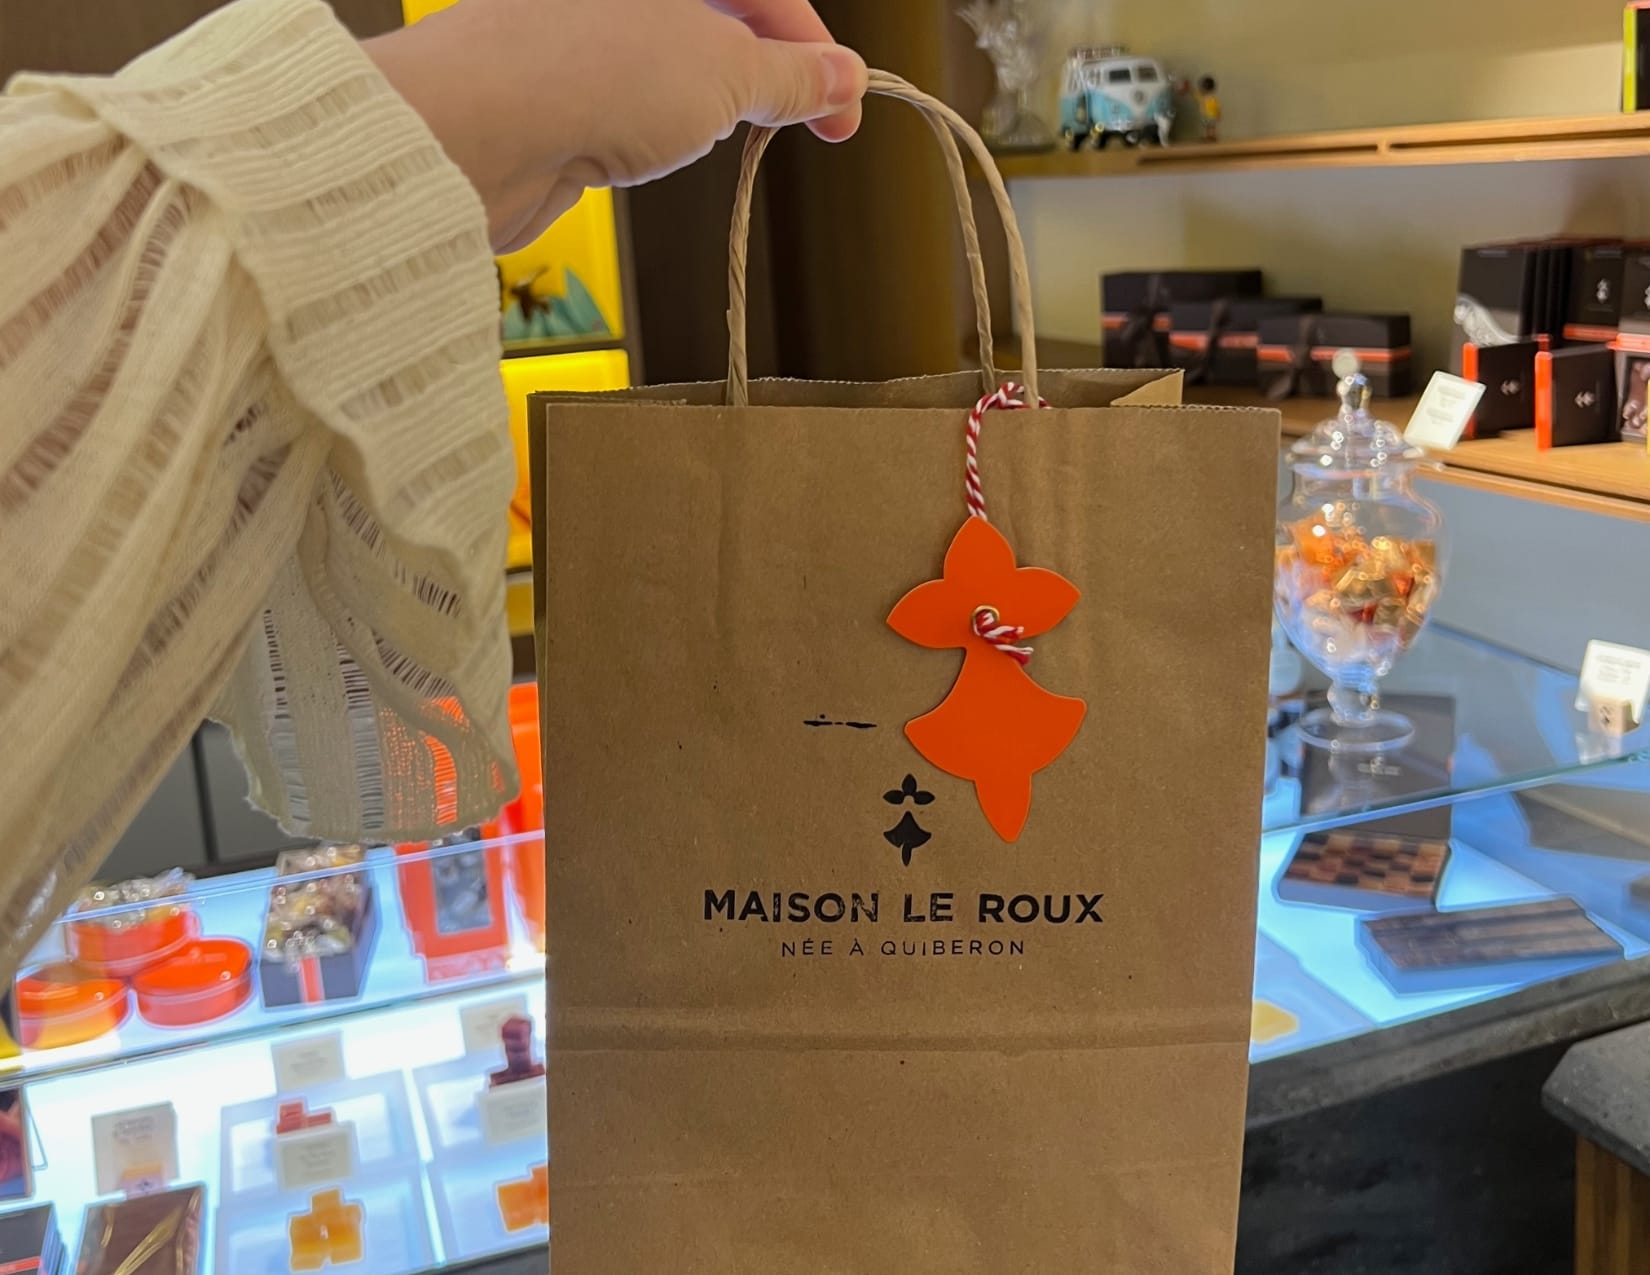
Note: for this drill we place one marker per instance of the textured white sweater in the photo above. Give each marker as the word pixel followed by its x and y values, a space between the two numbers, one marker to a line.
pixel 254 461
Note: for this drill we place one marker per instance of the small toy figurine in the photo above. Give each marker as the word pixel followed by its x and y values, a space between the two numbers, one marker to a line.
pixel 1208 108
pixel 1003 29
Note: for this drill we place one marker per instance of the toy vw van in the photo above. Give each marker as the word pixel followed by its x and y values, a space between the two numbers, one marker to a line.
pixel 1108 93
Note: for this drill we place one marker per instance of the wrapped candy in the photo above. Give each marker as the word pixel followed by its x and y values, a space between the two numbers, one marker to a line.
pixel 319 927
pixel 1358 568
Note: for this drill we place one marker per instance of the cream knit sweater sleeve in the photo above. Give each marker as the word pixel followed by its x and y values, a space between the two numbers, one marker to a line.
pixel 254 461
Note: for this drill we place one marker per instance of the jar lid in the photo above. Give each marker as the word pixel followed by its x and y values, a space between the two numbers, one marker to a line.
pixel 1353 441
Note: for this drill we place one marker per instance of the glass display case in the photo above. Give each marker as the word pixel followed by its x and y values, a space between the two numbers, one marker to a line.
pixel 1482 890
pixel 333 1062
pixel 338 1060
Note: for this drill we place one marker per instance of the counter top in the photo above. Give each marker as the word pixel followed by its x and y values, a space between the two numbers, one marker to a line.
pixel 1602 1091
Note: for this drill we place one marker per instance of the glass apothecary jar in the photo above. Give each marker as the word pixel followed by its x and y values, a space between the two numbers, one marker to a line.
pixel 1360 561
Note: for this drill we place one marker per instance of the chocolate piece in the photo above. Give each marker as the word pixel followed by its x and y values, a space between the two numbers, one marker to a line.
pixel 1366 872
pixel 1521 942
pixel 519 1064
pixel 144 1235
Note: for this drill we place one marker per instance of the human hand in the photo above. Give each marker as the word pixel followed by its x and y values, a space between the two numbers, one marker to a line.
pixel 537 99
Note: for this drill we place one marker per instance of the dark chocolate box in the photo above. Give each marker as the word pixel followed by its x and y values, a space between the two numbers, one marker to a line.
pixel 1297 352
pixel 29 1241
pixel 1495 296
pixel 1633 379
pixel 1135 308
pixel 1215 341
pixel 1575 397
pixel 1594 313
pixel 1507 373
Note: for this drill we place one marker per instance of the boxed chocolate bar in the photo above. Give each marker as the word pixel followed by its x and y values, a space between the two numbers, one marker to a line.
pixel 1215 341
pixel 319 930
pixel 144 1234
pixel 1495 297
pixel 1575 397
pixel 1297 352
pixel 1135 308
pixel 1476 947
pixel 1507 373
pixel 1594 313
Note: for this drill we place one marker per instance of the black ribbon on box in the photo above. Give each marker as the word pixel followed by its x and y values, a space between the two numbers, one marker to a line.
pixel 1138 336
pixel 1287 383
pixel 1220 318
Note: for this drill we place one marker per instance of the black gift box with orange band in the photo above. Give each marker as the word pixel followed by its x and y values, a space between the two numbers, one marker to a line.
pixel 1297 352
pixel 1135 306
pixel 1215 341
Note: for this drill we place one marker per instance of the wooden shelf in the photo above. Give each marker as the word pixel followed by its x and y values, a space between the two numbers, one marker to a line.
pixel 1611 479
pixel 1486 142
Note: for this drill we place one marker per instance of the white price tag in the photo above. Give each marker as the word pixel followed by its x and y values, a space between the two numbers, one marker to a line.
pixel 1442 414
pixel 322 1156
pixel 483 1022
pixel 309 1060
pixel 1610 674
pixel 514 1111
pixel 140 1143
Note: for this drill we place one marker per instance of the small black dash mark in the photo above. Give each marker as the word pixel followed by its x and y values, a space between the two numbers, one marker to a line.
pixel 907 835
pixel 822 720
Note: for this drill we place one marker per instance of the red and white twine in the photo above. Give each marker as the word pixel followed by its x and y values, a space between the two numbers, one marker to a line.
pixel 988 623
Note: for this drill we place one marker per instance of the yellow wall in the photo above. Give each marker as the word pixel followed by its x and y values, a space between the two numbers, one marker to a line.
pixel 1383 239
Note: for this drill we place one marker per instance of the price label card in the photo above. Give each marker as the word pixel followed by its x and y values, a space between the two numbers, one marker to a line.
pixel 1611 674
pixel 310 1060
pixel 137 1144
pixel 512 1112
pixel 322 1156
pixel 482 1022
pixel 1442 414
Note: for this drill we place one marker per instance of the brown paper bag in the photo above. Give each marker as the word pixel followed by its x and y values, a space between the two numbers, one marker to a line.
pixel 776 1047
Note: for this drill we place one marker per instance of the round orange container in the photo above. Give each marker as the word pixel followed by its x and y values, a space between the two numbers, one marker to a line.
pixel 61 1005
pixel 125 950
pixel 206 980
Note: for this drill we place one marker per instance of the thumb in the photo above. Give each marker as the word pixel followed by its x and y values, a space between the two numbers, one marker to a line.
pixel 793 83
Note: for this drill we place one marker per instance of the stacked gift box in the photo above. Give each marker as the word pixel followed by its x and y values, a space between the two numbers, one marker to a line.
pixel 1220 328
pixel 1558 333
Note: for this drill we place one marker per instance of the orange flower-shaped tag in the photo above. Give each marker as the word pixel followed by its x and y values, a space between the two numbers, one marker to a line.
pixel 997 727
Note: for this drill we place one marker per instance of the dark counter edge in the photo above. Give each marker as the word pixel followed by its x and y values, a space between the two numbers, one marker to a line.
pixel 532 1261
pixel 1573 1008
pixel 1602 1090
